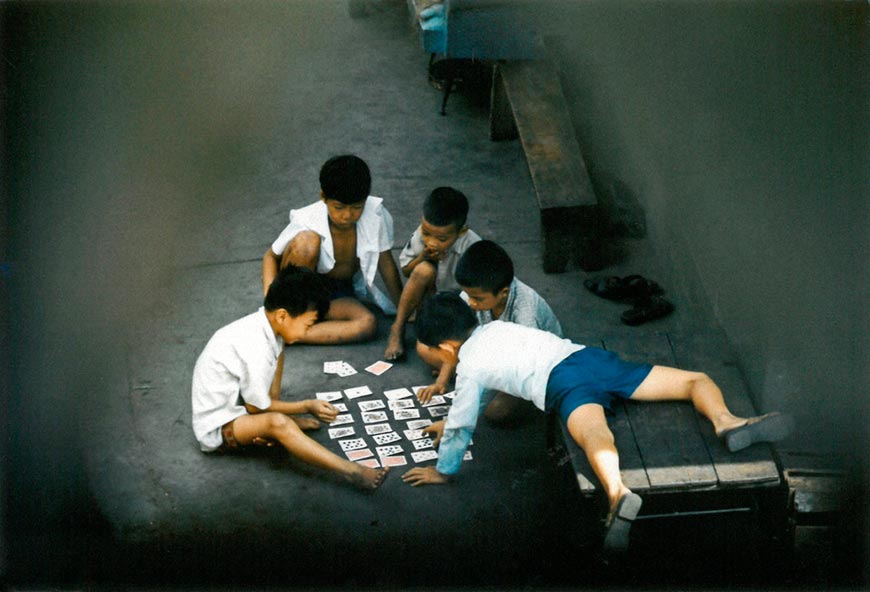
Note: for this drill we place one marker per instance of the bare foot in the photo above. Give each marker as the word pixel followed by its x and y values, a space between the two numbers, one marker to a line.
pixel 366 478
pixel 306 423
pixel 395 348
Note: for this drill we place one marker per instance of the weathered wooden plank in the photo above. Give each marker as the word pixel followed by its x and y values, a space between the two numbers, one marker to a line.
pixel 501 118
pixel 709 352
pixel 667 433
pixel 541 116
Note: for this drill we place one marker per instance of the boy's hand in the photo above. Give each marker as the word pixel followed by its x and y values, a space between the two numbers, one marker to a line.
pixel 437 430
pixel 425 394
pixel 424 476
pixel 322 410
pixel 432 254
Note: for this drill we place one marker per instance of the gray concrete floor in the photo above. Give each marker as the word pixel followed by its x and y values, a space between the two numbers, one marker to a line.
pixel 170 515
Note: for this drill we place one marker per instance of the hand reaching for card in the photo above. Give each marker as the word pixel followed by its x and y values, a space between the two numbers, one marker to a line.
pixel 425 394
pixel 424 476
pixel 322 410
pixel 436 430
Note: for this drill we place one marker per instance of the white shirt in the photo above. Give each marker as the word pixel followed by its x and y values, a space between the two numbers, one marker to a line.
pixel 500 356
pixel 447 266
pixel 374 235
pixel 236 367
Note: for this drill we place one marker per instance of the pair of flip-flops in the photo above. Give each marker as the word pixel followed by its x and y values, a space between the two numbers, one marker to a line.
pixel 644 294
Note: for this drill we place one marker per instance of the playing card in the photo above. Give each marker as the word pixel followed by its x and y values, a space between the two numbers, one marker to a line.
pixel 406 413
pixel 414 434
pixel 358 454
pixel 378 428
pixel 394 461
pixel 374 416
pixel 342 419
pixel 357 391
pixel 422 443
pixel 346 370
pixel 340 407
pixel 340 432
pixel 330 396
pixel 439 411
pixel 389 450
pixel 424 455
pixel 449 395
pixel 371 463
pixel 371 405
pixel 386 438
pixel 379 367
pixel 400 404
pixel 332 367
pixel 467 455
pixel 419 423
pixel 416 389
pixel 399 393
pixel 352 444
pixel 435 400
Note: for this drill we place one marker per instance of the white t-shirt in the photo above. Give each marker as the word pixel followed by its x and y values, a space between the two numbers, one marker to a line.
pixel 374 235
pixel 447 266
pixel 236 367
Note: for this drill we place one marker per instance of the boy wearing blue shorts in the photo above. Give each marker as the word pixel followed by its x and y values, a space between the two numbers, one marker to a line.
pixel 573 380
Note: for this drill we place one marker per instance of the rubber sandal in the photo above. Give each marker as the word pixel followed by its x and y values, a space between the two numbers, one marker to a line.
pixel 647 309
pixel 771 427
pixel 618 525
pixel 616 288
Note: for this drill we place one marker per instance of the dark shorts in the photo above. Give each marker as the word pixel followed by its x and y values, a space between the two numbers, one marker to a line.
pixel 591 375
pixel 338 288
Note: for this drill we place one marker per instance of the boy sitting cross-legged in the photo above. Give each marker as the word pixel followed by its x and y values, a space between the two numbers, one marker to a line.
pixel 237 381
pixel 566 378
pixel 346 237
pixel 430 257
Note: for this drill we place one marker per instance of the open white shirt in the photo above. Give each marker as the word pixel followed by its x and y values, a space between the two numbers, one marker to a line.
pixel 444 279
pixel 236 367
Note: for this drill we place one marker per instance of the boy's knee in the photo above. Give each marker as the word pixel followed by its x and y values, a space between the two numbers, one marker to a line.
pixel 302 251
pixel 595 437
pixel 425 272
pixel 280 423
pixel 368 325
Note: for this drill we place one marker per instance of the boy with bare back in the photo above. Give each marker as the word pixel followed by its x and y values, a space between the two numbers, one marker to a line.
pixel 236 391
pixel 345 237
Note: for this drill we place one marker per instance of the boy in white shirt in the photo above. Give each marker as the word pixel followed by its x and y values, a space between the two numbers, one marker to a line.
pixel 573 380
pixel 236 391
pixel 346 237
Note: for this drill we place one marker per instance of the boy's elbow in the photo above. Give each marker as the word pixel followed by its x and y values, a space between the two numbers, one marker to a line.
pixel 253 410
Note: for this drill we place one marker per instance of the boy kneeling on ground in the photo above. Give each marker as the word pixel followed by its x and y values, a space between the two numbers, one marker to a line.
pixel 236 393
pixel 573 380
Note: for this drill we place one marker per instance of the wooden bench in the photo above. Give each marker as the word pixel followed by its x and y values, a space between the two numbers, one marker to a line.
pixel 527 102
pixel 668 448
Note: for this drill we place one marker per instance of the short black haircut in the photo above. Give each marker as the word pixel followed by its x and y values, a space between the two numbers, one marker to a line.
pixel 444 316
pixel 345 178
pixel 485 265
pixel 297 290
pixel 446 205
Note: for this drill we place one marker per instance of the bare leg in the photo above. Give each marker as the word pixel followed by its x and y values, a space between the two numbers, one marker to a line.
pixel 588 427
pixel 279 427
pixel 347 321
pixel 421 281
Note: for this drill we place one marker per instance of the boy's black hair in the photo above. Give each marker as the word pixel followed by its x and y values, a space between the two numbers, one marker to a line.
pixel 345 178
pixel 485 265
pixel 297 290
pixel 446 205
pixel 444 316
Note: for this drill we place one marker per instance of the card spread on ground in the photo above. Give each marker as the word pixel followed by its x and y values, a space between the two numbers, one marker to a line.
pixel 386 438
pixel 374 416
pixel 389 450
pixel 406 413
pixel 352 444
pixel 371 463
pixel 449 395
pixel 378 428
pixel 417 389
pixel 467 455
pixel 357 391
pixel 340 432
pixel 346 370
pixel 424 455
pixel 330 396
pixel 439 411
pixel 399 393
pixel 400 404
pixel 422 443
pixel 414 434
pixel 341 419
pixel 358 454
pixel 394 461
pixel 435 400
pixel 332 367
pixel 379 367
pixel 419 423
pixel 340 407
pixel 371 405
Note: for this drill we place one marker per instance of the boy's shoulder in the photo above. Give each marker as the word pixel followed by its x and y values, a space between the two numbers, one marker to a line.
pixel 466 240
pixel 250 329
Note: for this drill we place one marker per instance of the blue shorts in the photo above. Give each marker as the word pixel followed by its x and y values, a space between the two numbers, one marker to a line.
pixel 591 375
